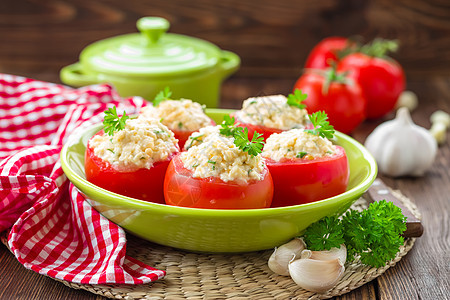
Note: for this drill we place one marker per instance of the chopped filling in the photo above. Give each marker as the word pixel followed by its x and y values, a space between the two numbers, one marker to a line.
pixel 142 143
pixel 273 112
pixel 182 115
pixel 297 144
pixel 218 156
pixel 202 135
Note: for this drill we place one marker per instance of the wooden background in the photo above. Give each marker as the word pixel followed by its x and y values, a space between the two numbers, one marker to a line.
pixel 273 38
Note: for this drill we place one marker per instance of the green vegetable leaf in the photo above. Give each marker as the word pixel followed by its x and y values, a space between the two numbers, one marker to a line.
pixel 253 147
pixel 321 125
pixel 374 233
pixel 296 99
pixel 112 122
pixel 324 234
pixel 162 96
pixel 240 135
pixel 227 126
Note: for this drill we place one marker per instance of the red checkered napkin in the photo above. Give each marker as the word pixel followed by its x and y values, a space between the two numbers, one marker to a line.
pixel 53 231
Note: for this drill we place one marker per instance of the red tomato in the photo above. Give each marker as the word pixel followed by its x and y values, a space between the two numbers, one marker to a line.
pixel 326 51
pixel 181 189
pixel 144 184
pixel 381 80
pixel 183 136
pixel 265 131
pixel 301 181
pixel 344 103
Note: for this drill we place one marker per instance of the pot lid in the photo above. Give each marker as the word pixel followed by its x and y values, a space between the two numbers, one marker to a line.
pixel 152 52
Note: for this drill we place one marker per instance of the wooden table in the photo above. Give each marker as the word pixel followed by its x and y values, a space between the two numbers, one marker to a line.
pixel 423 274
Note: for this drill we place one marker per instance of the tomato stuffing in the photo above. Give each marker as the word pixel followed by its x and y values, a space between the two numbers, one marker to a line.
pixel 181 189
pixel 144 184
pixel 304 180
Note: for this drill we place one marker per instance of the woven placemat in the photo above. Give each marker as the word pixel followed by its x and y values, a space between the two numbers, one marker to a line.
pixel 231 276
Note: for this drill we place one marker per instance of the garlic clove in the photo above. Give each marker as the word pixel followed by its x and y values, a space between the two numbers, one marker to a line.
pixel 407 99
pixel 440 122
pixel 316 275
pixel 339 253
pixel 280 258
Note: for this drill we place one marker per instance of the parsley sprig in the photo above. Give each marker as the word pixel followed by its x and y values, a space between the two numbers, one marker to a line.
pixel 162 96
pixel 321 125
pixel 296 99
pixel 374 233
pixel 112 122
pixel 252 147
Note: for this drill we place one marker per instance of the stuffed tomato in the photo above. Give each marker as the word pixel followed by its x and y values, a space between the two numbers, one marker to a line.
pixel 305 167
pixel 132 161
pixel 272 114
pixel 215 173
pixel 183 117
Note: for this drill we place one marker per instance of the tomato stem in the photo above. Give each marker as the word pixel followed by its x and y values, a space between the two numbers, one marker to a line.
pixel 379 47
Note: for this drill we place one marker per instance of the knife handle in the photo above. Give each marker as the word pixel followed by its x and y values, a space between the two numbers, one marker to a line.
pixel 379 191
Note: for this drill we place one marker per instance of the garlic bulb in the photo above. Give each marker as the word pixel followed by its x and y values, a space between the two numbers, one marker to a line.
pixel 402 148
pixel 279 260
pixel 316 275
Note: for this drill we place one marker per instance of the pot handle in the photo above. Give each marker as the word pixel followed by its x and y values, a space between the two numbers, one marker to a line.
pixel 73 75
pixel 230 62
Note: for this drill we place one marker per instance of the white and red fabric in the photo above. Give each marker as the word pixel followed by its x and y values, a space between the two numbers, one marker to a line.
pixel 51 228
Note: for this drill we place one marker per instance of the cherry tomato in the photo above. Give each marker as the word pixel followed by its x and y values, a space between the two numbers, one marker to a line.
pixel 181 189
pixel 325 52
pixel 301 180
pixel 144 184
pixel 343 102
pixel 381 80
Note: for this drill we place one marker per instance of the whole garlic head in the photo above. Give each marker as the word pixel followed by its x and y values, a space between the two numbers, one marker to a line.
pixel 401 147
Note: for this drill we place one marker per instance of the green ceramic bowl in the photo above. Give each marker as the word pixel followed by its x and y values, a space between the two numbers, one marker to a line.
pixel 208 230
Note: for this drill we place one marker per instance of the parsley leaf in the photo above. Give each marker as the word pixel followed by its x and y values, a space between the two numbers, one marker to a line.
pixel 227 126
pixel 321 125
pixel 240 135
pixel 326 234
pixel 253 147
pixel 112 122
pixel 374 233
pixel 162 96
pixel 296 99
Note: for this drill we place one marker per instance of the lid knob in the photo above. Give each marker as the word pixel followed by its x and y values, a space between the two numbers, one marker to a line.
pixel 152 28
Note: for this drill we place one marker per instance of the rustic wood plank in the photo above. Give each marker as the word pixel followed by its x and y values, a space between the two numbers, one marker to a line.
pixel 272 38
pixel 18 283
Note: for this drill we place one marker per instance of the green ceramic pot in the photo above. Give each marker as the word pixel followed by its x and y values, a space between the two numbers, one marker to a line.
pixel 213 230
pixel 142 64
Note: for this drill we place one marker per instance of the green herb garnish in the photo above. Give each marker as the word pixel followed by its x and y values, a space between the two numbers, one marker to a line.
pixel 240 135
pixel 253 147
pixel 213 164
pixel 112 122
pixel 296 99
pixel 374 233
pixel 301 154
pixel 162 96
pixel 321 125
